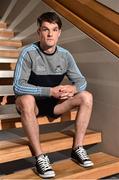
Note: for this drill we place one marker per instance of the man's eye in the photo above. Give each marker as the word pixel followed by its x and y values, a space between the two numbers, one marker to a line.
pixel 45 29
pixel 55 29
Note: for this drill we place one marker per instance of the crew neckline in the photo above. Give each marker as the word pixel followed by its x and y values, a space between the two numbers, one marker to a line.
pixel 38 44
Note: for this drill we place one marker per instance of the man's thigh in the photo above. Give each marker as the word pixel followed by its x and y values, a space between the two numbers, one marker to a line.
pixel 68 104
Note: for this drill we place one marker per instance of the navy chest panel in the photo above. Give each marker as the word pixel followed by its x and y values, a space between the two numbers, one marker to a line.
pixel 45 80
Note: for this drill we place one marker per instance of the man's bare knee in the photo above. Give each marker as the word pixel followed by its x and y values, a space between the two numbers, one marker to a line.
pixel 25 103
pixel 86 98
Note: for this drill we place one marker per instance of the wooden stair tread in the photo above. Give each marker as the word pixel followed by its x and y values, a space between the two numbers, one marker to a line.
pixel 6 90
pixel 6 73
pixel 3 25
pixel 8 60
pixel 11 43
pixel 6 34
pixel 8 111
pixel 52 141
pixel 9 53
pixel 104 165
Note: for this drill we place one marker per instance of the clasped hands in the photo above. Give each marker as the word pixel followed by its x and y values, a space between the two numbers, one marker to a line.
pixel 63 91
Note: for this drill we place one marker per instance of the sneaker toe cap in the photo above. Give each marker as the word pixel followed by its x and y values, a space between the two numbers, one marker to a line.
pixel 50 173
pixel 88 163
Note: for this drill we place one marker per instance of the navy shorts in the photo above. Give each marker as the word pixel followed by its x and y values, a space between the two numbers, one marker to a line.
pixel 46 106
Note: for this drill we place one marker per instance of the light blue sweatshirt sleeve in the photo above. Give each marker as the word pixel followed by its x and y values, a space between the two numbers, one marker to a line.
pixel 75 75
pixel 21 76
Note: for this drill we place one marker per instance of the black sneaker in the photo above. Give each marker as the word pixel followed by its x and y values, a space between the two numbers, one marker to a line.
pixel 43 167
pixel 79 155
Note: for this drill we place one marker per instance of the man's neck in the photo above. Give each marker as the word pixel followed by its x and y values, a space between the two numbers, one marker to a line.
pixel 48 50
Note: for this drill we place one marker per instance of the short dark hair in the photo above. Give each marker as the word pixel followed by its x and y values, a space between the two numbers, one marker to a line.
pixel 50 17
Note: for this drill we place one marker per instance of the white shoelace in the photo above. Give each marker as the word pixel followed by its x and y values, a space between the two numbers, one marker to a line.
pixel 82 153
pixel 44 163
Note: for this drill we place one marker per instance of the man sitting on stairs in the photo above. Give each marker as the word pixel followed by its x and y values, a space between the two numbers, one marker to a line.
pixel 39 71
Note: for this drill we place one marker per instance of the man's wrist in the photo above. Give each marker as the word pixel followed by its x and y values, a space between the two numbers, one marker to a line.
pixel 51 92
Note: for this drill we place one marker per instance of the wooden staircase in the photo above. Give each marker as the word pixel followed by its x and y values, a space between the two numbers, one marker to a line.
pixel 56 134
pixel 105 165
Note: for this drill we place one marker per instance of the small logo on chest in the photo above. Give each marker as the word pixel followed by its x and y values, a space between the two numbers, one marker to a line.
pixel 58 69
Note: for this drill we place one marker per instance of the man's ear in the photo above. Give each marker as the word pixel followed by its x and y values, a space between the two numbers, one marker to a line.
pixel 38 31
pixel 59 33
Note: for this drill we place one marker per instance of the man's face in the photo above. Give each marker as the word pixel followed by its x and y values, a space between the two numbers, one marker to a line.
pixel 49 34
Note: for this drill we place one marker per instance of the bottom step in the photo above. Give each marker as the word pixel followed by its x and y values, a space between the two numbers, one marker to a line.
pixel 105 165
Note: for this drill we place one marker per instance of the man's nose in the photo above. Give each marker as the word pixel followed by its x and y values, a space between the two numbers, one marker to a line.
pixel 50 33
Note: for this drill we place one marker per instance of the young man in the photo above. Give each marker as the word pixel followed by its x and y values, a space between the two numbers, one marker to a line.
pixel 39 71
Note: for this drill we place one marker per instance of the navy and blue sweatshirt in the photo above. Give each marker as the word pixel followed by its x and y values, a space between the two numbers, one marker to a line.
pixel 37 71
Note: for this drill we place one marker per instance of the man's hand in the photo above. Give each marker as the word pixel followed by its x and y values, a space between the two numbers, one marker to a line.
pixel 63 91
pixel 56 91
pixel 68 91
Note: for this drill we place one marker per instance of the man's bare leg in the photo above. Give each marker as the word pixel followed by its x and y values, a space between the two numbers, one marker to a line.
pixel 28 109
pixel 83 101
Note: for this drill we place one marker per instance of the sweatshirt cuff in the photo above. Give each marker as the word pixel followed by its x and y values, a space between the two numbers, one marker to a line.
pixel 45 91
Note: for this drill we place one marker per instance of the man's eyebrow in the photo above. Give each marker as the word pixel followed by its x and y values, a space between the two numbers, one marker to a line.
pixel 48 28
pixel 45 27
